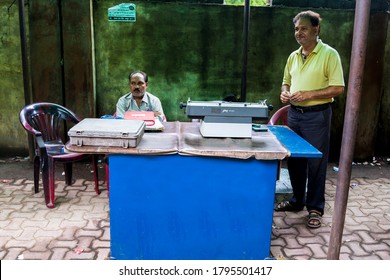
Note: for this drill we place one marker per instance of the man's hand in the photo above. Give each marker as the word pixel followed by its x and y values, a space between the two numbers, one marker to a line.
pixel 298 96
pixel 285 96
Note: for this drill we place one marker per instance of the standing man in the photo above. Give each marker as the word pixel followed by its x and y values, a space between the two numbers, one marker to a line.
pixel 138 99
pixel 312 77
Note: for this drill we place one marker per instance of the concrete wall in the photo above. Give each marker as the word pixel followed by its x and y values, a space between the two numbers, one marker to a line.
pixel 189 50
pixel 12 136
pixel 383 125
pixel 195 51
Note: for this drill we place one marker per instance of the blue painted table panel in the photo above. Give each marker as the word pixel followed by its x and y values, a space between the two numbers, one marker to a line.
pixel 190 207
pixel 295 144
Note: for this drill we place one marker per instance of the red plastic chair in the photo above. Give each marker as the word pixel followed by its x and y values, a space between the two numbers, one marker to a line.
pixel 280 117
pixel 44 120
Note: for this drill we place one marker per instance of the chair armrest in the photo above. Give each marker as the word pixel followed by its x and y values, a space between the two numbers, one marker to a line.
pixel 41 145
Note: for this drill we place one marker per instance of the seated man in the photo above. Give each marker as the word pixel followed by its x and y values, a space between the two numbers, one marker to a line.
pixel 138 99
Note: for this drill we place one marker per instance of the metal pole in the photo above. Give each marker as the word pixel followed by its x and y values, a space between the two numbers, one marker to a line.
pixel 358 56
pixel 245 49
pixel 26 72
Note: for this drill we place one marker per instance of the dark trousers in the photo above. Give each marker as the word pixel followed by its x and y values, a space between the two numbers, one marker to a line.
pixel 314 127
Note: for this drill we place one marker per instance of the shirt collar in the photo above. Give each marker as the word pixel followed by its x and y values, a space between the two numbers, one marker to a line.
pixel 144 98
pixel 316 49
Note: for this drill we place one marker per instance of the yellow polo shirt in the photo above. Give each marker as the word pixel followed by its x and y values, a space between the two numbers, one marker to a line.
pixel 321 69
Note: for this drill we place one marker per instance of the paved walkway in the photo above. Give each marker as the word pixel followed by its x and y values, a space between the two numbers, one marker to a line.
pixel 78 228
pixel 366 232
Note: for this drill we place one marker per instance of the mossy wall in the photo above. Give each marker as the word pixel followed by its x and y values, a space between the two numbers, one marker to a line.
pixel 12 136
pixel 189 50
pixel 195 51
pixel 191 53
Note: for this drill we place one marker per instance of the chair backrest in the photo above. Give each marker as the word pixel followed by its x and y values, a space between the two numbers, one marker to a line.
pixel 45 119
pixel 280 116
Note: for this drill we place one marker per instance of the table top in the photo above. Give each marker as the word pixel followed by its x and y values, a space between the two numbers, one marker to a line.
pixel 184 138
pixel 296 145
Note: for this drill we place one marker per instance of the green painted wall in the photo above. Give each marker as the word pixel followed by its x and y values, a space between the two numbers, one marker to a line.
pixel 194 51
pixel 189 50
pixel 12 136
pixel 186 50
pixel 383 137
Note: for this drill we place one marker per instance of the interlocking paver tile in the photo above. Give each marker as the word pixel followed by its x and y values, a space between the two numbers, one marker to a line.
pixel 354 228
pixel 366 236
pixel 372 210
pixel 370 257
pixel 313 239
pixel 85 202
pixel 83 255
pixel 41 244
pixel 345 249
pixel 348 237
pixel 77 215
pixel 14 207
pixel 344 256
pixel 103 253
pixel 383 255
pixel 28 233
pixel 86 207
pixel 79 226
pixel 5 199
pixel 10 232
pixel 357 249
pixel 14 253
pixel 4 224
pixel 318 250
pixel 75 223
pixel 2 253
pixel 364 219
pixel 106 234
pixel 291 242
pixel 85 241
pixel 32 255
pixel 383 236
pixel 300 253
pixel 377 227
pixel 355 211
pixel 3 241
pixel 34 223
pixel 19 182
pixel 56 243
pixel 375 247
pixel 20 243
pixel 59 253
pixel 53 224
pixel 58 214
pixel 99 206
pixel 90 233
pixel 93 224
pixel 48 233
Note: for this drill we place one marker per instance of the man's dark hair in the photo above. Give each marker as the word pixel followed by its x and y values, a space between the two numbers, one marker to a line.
pixel 139 72
pixel 314 17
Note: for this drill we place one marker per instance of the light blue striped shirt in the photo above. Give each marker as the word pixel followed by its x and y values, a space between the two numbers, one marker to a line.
pixel 149 103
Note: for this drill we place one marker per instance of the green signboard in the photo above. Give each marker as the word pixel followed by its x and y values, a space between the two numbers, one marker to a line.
pixel 122 12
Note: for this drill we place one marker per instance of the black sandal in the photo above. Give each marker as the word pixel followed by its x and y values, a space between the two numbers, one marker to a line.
pixel 314 219
pixel 287 206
